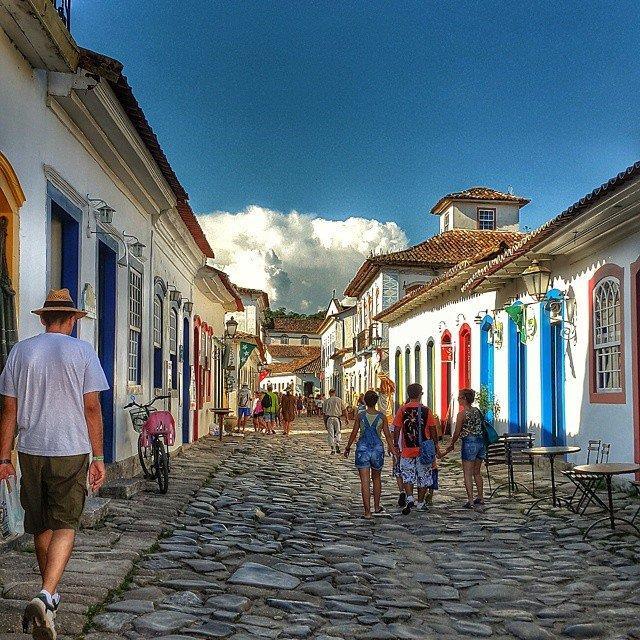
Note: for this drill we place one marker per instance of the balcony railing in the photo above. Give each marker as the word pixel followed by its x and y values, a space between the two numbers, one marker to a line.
pixel 365 340
pixel 63 7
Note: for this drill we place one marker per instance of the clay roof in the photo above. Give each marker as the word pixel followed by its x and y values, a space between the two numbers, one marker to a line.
pixel 449 280
pixel 533 239
pixel 438 252
pixel 477 194
pixel 254 292
pixel 308 364
pixel 111 71
pixel 292 350
pixel 230 287
pixel 296 325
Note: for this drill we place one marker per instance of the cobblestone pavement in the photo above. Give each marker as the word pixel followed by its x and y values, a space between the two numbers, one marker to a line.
pixel 274 547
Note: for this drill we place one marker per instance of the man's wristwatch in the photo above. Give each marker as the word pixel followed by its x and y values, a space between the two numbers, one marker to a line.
pixel 6 461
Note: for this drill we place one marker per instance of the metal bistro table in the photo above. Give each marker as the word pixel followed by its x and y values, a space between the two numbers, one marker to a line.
pixel 607 471
pixel 221 413
pixel 551 453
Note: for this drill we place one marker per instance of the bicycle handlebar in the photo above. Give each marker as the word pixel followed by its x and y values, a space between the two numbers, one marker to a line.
pixel 133 403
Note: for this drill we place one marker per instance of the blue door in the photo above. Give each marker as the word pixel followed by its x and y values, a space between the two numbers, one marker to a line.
pixel 186 380
pixel 552 376
pixel 517 381
pixel 106 299
pixel 486 360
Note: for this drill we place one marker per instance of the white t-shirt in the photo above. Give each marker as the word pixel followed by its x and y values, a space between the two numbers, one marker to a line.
pixel 333 407
pixel 49 375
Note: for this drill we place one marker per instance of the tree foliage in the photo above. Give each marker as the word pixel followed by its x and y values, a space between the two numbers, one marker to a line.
pixel 281 312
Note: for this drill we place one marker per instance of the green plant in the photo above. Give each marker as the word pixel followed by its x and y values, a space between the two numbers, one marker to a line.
pixel 487 402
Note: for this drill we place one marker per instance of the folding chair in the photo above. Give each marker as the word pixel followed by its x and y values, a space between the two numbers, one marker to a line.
pixel 593 449
pixel 509 451
pixel 589 485
pixel 636 485
pixel 496 455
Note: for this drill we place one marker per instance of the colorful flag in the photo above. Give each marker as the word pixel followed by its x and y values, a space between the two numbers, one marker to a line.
pixel 263 374
pixel 517 313
pixel 246 348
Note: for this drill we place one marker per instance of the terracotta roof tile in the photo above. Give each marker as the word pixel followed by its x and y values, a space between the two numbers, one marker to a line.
pixel 111 71
pixel 308 364
pixel 297 325
pixel 254 292
pixel 292 350
pixel 438 252
pixel 480 194
pixel 533 239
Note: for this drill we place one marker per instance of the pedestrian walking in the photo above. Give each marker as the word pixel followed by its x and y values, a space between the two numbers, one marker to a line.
pixel 319 401
pixel 258 412
pixel 244 406
pixel 369 457
pixel 334 411
pixel 474 449
pixel 299 405
pixel 271 408
pixel 288 411
pixel 413 425
pixel 50 388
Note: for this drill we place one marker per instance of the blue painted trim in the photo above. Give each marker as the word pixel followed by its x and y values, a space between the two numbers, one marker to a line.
pixel 186 379
pixel 517 381
pixel 107 311
pixel 487 360
pixel 552 379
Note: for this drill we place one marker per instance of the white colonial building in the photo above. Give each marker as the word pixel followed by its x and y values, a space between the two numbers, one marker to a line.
pixel 89 202
pixel 548 328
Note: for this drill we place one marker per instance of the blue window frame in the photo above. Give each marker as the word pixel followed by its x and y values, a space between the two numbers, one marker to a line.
pixel 63 250
pixel 487 360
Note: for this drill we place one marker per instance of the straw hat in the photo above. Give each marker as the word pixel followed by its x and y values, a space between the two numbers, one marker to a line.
pixel 60 300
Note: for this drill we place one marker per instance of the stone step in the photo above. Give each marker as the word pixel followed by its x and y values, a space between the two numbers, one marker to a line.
pixel 122 488
pixel 95 510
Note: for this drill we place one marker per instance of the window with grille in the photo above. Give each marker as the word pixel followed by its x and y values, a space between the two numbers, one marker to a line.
pixel 135 326
pixel 607 335
pixel 284 339
pixel 304 340
pixel 157 321
pixel 487 219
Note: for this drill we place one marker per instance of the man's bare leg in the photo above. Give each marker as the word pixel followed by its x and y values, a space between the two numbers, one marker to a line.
pixel 56 553
pixel 42 542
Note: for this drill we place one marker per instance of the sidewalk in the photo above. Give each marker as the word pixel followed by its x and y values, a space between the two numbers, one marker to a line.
pixel 104 557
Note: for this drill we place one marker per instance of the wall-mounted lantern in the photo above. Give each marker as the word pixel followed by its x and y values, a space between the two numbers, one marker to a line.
pixel 536 280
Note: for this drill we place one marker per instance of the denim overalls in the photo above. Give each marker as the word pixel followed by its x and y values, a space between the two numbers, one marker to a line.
pixel 370 450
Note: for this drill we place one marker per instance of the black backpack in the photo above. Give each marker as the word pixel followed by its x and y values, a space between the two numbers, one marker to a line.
pixel 266 401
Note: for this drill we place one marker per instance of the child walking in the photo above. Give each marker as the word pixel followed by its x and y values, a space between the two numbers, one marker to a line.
pixel 368 426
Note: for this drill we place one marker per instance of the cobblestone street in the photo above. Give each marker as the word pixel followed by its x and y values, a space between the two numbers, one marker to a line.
pixel 273 546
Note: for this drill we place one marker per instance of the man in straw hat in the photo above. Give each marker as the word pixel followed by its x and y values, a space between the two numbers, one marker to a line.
pixel 50 387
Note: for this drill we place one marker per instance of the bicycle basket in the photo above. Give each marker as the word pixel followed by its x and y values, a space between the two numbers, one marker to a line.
pixel 139 416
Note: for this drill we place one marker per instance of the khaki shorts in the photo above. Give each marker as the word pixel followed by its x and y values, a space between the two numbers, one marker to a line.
pixel 52 491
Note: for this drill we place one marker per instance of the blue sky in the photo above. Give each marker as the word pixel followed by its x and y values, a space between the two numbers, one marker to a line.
pixel 376 109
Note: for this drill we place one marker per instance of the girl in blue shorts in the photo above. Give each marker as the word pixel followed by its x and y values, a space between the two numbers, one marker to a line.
pixel 368 426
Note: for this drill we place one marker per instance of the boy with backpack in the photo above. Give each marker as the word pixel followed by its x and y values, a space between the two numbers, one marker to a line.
pixel 271 408
pixel 416 438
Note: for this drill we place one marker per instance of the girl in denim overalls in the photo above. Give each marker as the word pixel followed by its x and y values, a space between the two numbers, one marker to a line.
pixel 369 424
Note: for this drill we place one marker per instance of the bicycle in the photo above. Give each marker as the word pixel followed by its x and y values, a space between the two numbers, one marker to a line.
pixel 157 432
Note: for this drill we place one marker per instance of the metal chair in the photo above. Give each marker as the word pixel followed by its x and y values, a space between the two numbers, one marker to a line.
pixel 587 485
pixel 509 450
pixel 593 449
pixel 604 453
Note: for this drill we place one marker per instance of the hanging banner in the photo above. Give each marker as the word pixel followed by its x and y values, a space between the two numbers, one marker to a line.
pixel 263 374
pixel 246 349
pixel 446 353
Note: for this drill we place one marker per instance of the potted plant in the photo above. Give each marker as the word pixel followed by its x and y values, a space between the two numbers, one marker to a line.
pixel 488 404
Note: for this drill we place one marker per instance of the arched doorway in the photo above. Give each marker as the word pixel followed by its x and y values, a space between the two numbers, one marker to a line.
pixel 399 380
pixel 196 372
pixel 417 360
pixel 552 371
pixel 487 360
pixel 517 380
pixel 431 373
pixel 464 361
pixel 11 199
pixel 446 359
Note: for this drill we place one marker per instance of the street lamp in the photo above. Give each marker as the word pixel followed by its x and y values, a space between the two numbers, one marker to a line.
pixel 536 280
pixel 232 327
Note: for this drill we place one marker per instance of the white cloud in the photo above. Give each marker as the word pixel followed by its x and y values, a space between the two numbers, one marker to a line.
pixel 298 259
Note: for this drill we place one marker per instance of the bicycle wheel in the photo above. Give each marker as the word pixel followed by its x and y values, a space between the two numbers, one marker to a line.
pixel 146 460
pixel 161 461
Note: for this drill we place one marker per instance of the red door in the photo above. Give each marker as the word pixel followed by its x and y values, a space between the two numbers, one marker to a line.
pixel 464 368
pixel 196 365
